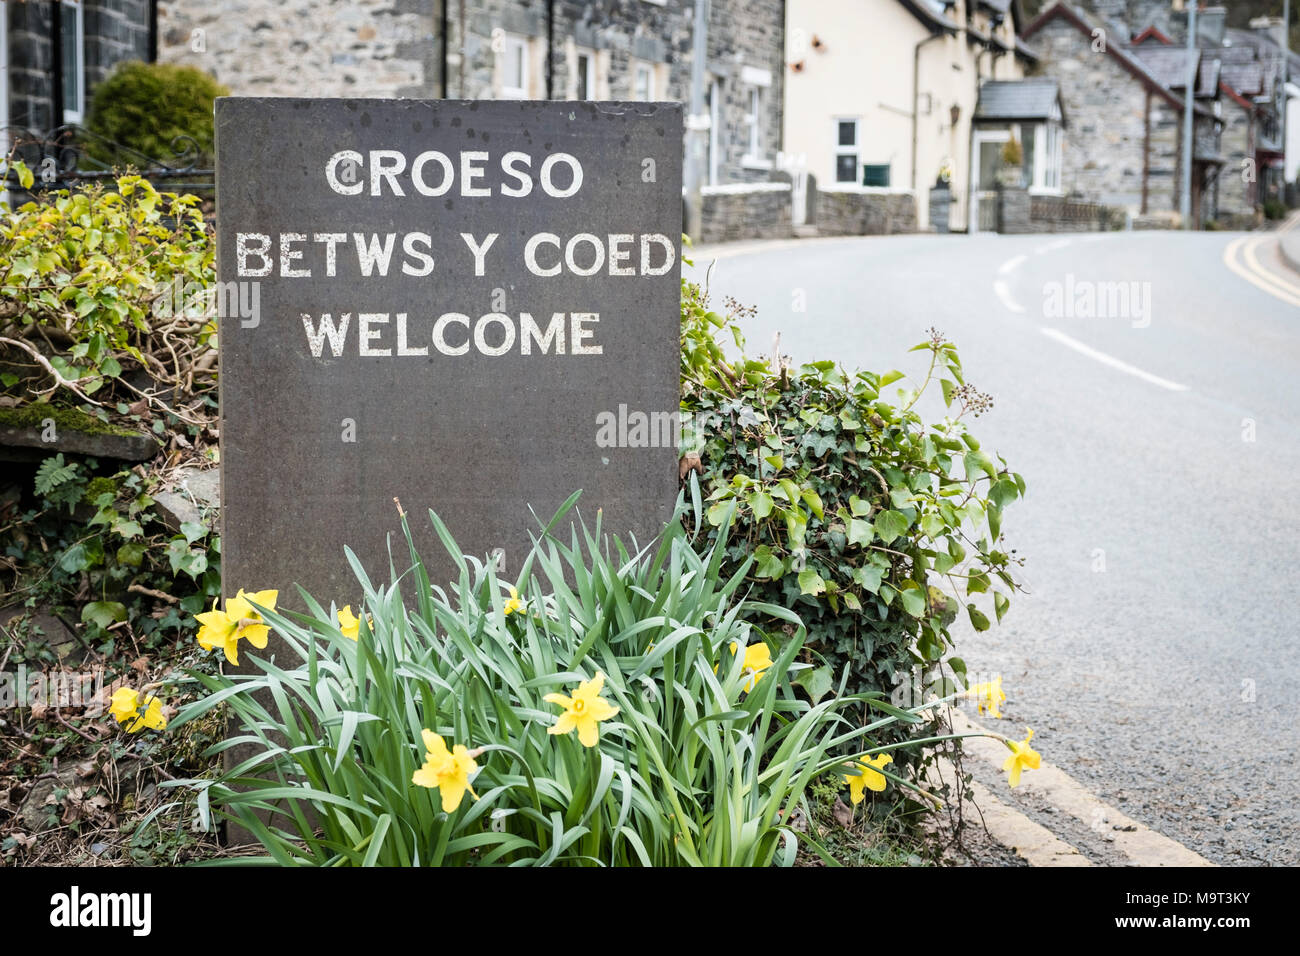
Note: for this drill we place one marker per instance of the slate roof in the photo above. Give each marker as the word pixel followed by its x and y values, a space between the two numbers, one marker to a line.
pixel 1244 78
pixel 1034 98
pixel 1168 65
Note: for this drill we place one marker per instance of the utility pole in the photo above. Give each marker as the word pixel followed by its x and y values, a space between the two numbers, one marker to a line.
pixel 1189 124
pixel 697 123
pixel 1286 81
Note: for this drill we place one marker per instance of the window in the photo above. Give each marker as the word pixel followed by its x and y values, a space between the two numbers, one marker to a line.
pixel 846 151
pixel 643 82
pixel 514 68
pixel 74 62
pixel 713 100
pixel 875 174
pixel 1042 151
pixel 754 120
pixel 1031 163
pixel 586 77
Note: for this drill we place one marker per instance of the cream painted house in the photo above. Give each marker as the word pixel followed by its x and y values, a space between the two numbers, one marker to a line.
pixel 881 94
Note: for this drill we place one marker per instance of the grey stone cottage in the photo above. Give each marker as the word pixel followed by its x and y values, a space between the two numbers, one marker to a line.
pixel 1125 103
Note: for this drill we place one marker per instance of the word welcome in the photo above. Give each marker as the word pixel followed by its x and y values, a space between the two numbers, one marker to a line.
pixel 384 335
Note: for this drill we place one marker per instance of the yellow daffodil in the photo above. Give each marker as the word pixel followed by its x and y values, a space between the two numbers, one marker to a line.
pixel 758 658
pixel 125 706
pixel 1022 757
pixel 447 771
pixel 989 695
pixel 868 777
pixel 584 710
pixel 349 623
pixel 514 605
pixel 239 621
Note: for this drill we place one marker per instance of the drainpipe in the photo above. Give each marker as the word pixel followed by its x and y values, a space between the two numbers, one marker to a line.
pixel 443 25
pixel 56 64
pixel 550 52
pixel 1189 124
pixel 1146 152
pixel 916 99
pixel 153 31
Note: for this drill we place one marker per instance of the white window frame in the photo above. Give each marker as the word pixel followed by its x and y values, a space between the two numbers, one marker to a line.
pixel 512 44
pixel 855 150
pixel 715 121
pixel 642 68
pixel 588 75
pixel 1048 159
pixel 77 114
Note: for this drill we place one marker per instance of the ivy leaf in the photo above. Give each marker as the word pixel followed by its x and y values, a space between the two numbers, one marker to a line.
pixel 761 504
pixel 817 682
pixel 948 388
pixel 127 528
pixel 104 613
pixel 889 525
pixel 860 531
pixel 193 531
pixel 1003 492
pixel 767 564
pixel 977 618
pixel 913 599
pixel 131 554
pixel 810 582
pixel 1000 604
pixel 869 578
pixel 813 501
pixel 859 507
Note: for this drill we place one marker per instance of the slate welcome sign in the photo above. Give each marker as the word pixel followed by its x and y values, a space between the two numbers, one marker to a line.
pixel 440 302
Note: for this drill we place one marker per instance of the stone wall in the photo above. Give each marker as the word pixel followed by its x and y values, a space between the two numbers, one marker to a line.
pixel 862 211
pixel 388 48
pixel 1019 213
pixel 1236 188
pixel 113 30
pixel 305 47
pixel 746 211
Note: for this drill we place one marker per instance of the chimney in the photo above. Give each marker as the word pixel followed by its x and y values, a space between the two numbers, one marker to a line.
pixel 1210 23
pixel 1271 27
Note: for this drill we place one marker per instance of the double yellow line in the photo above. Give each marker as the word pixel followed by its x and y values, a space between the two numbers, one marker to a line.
pixel 1242 257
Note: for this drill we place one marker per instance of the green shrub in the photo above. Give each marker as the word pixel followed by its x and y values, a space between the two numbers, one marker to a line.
pixel 1274 209
pixel 874 527
pixel 146 106
pixel 79 277
pixel 704 761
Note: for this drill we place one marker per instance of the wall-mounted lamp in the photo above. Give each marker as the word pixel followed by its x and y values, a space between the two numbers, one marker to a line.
pixel 796 67
pixel 955 113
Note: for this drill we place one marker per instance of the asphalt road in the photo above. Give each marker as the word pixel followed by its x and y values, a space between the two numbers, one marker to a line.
pixel 1156 654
